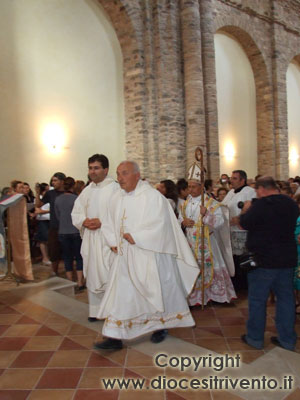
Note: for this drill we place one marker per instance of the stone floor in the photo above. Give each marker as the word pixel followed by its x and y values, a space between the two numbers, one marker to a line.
pixel 46 349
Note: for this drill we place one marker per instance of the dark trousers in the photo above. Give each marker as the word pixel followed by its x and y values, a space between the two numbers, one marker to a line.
pixel 239 280
pixel 71 244
pixel 260 282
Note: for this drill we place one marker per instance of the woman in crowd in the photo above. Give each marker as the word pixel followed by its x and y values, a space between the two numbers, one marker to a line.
pixel 17 186
pixel 169 190
pixel 78 187
pixel 68 235
pixel 43 218
pixel 221 194
pixel 209 188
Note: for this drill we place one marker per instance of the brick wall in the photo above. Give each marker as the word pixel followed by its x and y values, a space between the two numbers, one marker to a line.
pixel 170 83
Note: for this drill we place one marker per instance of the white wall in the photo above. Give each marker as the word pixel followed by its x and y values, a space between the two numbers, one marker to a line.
pixel 236 107
pixel 60 62
pixel 293 104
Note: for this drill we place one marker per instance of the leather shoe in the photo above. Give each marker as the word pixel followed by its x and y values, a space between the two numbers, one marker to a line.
pixel 275 341
pixel 92 319
pixel 159 336
pixel 244 338
pixel 109 344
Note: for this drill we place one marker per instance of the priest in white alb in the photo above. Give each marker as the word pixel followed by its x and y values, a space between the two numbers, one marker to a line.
pixel 89 211
pixel 211 220
pixel 154 270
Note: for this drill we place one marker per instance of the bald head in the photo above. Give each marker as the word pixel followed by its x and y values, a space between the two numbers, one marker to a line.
pixel 128 175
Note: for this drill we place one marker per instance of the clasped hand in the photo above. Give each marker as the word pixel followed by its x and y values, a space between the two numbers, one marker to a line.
pixel 92 223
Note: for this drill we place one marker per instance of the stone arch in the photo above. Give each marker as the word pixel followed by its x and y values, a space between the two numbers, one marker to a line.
pixel 127 22
pixel 149 35
pixel 292 116
pixel 264 104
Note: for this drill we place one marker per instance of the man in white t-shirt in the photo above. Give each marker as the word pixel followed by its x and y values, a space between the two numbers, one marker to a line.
pixel 234 200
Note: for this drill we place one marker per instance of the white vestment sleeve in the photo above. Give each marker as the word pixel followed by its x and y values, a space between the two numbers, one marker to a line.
pixel 79 212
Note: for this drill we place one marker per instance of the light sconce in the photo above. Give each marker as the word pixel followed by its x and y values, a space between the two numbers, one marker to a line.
pixel 54 137
pixel 294 156
pixel 229 152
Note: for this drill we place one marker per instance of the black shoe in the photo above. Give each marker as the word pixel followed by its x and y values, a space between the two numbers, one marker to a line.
pixel 79 289
pixel 274 340
pixel 92 319
pixel 159 336
pixel 244 339
pixel 109 344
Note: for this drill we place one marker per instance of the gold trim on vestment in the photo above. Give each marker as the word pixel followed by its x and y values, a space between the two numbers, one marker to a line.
pixel 198 226
pixel 136 322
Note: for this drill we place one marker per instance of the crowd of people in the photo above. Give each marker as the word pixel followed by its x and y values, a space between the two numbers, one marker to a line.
pixel 147 254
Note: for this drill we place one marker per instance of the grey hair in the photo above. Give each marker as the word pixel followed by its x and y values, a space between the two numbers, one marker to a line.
pixel 135 165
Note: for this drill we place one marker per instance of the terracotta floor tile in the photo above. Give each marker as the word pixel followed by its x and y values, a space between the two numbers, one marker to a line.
pixel 183 333
pixel 68 344
pixel 60 328
pixel 43 343
pixel 13 343
pixel 249 356
pixel 8 310
pixel 55 379
pixel 141 394
pixel 21 308
pixel 207 321
pixel 129 373
pixel 233 331
pixel 172 396
pixel 194 394
pixel 14 394
pixel 96 394
pixel 236 344
pixel 27 320
pixel 97 360
pixel 40 316
pixel 208 332
pixel 224 395
pixel 228 312
pixel 3 328
pixel 295 395
pixel 77 329
pixel 231 321
pixel 9 319
pixel 91 377
pixel 197 310
pixel 20 378
pixel 22 330
pixel 138 359
pixel 37 308
pixel 7 357
pixel 118 357
pixel 57 394
pixel 146 372
pixel 86 341
pixel 271 329
pixel 214 344
pixel 32 359
pixel 45 331
pixel 66 358
pixel 57 319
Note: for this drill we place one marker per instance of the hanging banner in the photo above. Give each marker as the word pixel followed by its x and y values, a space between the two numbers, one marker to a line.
pixel 19 239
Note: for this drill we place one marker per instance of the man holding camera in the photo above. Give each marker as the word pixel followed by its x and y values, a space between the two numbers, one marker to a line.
pixel 271 221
